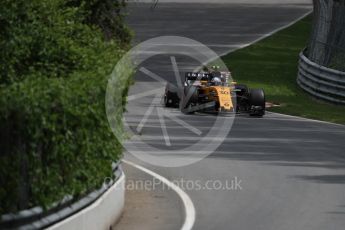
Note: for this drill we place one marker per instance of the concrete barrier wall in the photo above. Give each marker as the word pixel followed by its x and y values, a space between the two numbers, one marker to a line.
pixel 97 210
pixel 101 214
pixel 321 82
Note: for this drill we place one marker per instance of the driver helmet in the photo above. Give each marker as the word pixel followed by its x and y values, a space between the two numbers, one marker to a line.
pixel 216 81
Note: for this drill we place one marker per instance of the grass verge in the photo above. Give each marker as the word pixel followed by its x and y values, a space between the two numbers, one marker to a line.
pixel 272 63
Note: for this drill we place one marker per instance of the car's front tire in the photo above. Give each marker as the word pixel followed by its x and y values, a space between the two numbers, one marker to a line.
pixel 257 102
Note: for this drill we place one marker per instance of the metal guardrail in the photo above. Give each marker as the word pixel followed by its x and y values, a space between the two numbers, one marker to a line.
pixel 37 218
pixel 321 82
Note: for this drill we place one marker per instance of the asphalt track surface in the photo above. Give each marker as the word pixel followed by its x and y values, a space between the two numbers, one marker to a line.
pixel 292 170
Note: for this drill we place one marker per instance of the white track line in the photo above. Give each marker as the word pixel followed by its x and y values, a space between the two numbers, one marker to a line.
pixel 187 202
pixel 267 35
pixel 270 34
pixel 305 119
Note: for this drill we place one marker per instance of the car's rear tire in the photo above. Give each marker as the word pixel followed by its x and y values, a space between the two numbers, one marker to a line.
pixel 257 102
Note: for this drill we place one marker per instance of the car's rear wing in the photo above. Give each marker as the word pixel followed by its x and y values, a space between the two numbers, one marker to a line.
pixel 193 76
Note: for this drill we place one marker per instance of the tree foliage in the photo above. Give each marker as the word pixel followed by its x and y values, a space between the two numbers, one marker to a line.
pixel 55 37
pixel 327 41
pixel 54 136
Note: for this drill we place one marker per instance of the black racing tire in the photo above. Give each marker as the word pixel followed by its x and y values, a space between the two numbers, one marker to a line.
pixel 257 99
pixel 171 98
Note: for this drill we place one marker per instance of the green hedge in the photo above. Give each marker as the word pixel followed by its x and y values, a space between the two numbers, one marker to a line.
pixel 55 37
pixel 54 136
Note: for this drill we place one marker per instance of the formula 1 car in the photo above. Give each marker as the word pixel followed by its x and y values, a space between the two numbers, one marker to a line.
pixel 212 91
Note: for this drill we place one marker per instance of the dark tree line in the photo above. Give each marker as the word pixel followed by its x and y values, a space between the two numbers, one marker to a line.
pixel 327 43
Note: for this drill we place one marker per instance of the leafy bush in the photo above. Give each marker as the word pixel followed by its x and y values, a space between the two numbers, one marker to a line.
pixel 105 14
pixel 54 136
pixel 54 38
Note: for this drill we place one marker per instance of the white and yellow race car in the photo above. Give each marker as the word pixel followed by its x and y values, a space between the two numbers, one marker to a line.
pixel 212 91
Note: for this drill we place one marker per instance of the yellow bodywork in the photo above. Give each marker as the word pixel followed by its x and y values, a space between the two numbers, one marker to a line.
pixel 224 97
pixel 220 94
